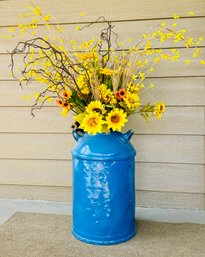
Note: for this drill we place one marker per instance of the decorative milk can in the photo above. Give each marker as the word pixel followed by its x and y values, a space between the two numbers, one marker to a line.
pixel 103 188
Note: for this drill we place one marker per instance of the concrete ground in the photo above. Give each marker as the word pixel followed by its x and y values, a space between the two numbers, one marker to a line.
pixel 9 207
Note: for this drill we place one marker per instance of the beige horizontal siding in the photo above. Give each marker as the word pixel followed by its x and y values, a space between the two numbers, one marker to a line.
pixel 69 11
pixel 35 158
pixel 170 200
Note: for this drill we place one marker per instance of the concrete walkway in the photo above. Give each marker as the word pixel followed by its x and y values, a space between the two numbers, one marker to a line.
pixel 9 207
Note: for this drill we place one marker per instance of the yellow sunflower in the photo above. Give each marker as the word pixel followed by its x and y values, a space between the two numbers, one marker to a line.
pixel 96 106
pixel 92 123
pixel 131 100
pixel 116 119
pixel 106 95
pixel 159 109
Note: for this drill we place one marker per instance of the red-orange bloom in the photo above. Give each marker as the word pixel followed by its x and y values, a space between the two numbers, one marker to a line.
pixel 66 105
pixel 59 102
pixel 66 94
pixel 120 94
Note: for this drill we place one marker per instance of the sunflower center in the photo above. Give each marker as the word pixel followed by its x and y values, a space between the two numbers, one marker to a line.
pixel 161 108
pixel 131 100
pixel 115 118
pixel 97 110
pixel 92 122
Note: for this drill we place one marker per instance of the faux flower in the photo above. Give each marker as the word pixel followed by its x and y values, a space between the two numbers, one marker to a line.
pixel 59 102
pixel 95 106
pixel 159 109
pixel 106 95
pixel 66 94
pixel 120 94
pixel 107 71
pixel 92 123
pixel 132 100
pixel 116 119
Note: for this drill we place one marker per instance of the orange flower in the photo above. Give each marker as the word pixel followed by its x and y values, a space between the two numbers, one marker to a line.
pixel 66 105
pixel 120 94
pixel 66 94
pixel 59 102
pixel 63 104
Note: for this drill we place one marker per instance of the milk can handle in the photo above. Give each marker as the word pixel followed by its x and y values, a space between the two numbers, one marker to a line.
pixel 77 134
pixel 128 134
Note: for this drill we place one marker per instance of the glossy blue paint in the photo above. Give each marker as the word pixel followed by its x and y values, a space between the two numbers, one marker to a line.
pixel 103 188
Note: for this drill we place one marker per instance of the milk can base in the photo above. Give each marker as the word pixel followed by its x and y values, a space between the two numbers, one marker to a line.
pixel 104 242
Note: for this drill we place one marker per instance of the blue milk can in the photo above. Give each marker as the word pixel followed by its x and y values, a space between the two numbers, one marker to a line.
pixel 103 188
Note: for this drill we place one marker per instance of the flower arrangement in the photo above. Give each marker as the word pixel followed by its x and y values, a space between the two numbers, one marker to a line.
pixel 98 81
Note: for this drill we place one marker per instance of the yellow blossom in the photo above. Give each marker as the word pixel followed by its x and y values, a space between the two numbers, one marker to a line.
pixel 145 36
pixel 107 71
pixel 64 112
pixel 188 61
pixel 120 44
pixel 37 11
pixel 151 85
pixel 28 97
pixel 11 29
pixel 35 20
pixel 106 95
pixel 86 56
pixel 191 13
pixel 196 52
pixel 47 17
pixel 92 123
pixel 134 77
pixel 131 100
pixel 142 75
pixel 116 119
pixel 159 109
pixel 176 16
pixel 156 59
pixel 95 106
pixel 139 63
